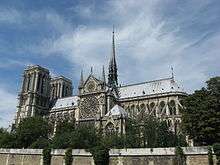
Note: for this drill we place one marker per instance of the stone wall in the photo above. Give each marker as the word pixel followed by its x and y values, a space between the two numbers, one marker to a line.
pixel 141 156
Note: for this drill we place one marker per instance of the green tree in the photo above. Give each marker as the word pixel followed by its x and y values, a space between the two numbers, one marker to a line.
pixel 7 139
pixel 132 136
pixel 62 141
pixel 30 130
pixel 150 131
pixel 90 137
pixel 201 114
pixel 40 143
pixel 64 132
pixel 65 126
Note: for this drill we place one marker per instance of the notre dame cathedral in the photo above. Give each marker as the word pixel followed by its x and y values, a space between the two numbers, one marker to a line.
pixel 103 103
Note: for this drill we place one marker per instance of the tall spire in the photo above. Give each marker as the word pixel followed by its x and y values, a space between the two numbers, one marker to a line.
pixel 113 76
pixel 172 74
pixel 103 73
pixel 81 79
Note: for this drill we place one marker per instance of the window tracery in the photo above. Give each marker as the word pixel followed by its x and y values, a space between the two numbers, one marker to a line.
pixel 89 107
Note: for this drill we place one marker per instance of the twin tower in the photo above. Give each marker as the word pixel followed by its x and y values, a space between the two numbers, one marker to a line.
pixel 39 91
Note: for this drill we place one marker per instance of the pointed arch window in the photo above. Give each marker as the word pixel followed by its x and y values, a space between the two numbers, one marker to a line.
pixel 109 129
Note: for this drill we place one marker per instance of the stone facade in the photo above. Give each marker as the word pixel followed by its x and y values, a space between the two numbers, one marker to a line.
pixel 99 102
pixel 146 156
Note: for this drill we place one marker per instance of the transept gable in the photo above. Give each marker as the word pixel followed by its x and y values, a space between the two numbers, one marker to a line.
pixel 92 84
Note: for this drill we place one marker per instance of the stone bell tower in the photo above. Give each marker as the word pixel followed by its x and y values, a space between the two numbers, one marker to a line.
pixel 34 96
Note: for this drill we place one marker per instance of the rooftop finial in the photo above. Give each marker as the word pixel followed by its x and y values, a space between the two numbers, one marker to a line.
pixel 113 29
pixel 91 71
pixel 172 73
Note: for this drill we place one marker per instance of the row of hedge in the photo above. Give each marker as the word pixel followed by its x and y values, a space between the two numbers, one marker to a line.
pixel 101 155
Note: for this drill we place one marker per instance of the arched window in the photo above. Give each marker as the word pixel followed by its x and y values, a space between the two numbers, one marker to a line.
pixel 109 129
pixel 161 107
pixel 172 107
pixel 152 105
pixel 142 110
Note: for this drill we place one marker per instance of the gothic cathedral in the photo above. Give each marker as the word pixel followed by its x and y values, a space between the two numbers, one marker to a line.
pixel 103 103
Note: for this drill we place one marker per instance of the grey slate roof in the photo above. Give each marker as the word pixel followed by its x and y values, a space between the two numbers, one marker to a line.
pixel 66 102
pixel 117 111
pixel 149 88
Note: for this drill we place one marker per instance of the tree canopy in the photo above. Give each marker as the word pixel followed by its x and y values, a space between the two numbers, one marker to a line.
pixel 201 115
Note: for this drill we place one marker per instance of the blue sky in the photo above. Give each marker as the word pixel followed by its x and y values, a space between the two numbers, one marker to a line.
pixel 67 36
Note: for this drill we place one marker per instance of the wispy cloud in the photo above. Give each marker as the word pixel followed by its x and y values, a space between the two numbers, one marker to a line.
pixel 10 15
pixel 7 106
pixel 7 63
pixel 147 36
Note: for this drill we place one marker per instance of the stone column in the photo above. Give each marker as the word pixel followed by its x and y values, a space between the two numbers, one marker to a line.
pixel 108 103
pixel 177 107
pixel 23 83
pixel 36 81
pixel 54 90
pixel 61 93
pixel 58 90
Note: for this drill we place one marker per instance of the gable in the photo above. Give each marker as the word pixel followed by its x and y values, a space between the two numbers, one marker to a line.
pixel 92 84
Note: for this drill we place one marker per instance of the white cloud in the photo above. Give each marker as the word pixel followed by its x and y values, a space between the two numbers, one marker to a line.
pixel 10 15
pixel 149 40
pixel 7 106
pixel 7 63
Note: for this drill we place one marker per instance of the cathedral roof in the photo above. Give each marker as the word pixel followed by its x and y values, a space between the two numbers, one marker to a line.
pixel 117 111
pixel 66 102
pixel 155 87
